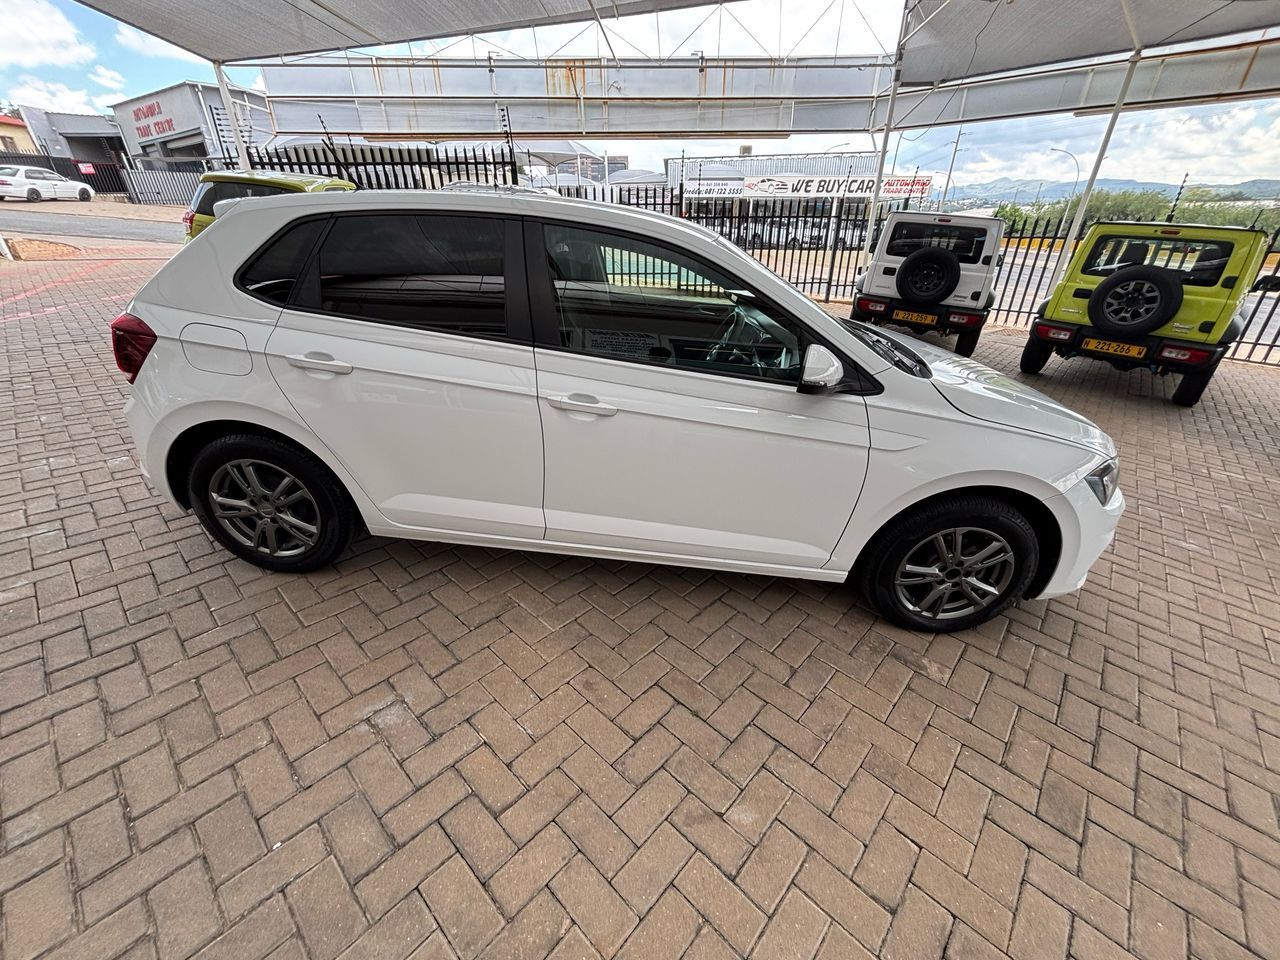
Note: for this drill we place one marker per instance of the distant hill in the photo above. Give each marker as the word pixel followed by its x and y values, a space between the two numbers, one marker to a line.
pixel 1025 191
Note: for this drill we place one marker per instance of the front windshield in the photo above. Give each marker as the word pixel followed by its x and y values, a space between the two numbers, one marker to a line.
pixel 884 345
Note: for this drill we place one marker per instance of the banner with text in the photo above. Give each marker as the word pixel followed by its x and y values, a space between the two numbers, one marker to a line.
pixel 796 187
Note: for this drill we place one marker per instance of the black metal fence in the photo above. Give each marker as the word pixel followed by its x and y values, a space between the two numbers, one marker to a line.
pixel 390 167
pixel 102 175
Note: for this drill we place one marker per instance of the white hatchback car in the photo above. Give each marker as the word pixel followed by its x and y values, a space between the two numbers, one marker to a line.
pixel 37 183
pixel 534 373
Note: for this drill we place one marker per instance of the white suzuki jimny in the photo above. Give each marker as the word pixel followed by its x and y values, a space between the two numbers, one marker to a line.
pixel 932 271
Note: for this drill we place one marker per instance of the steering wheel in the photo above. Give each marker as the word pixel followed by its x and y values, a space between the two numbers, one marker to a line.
pixel 732 346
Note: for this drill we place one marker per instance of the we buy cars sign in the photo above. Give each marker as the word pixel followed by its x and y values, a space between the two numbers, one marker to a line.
pixel 794 187
pixel 790 186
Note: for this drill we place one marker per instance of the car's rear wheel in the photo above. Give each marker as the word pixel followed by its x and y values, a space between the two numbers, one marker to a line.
pixel 950 564
pixel 33 195
pixel 1192 386
pixel 1035 355
pixel 967 342
pixel 84 196
pixel 270 503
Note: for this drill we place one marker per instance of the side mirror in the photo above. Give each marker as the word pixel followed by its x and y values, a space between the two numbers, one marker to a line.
pixel 1270 284
pixel 822 370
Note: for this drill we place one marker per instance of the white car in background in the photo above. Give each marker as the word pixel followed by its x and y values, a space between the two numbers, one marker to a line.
pixel 38 183
pixel 537 373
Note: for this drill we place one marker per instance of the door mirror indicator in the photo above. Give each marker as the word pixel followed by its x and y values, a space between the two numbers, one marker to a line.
pixel 822 371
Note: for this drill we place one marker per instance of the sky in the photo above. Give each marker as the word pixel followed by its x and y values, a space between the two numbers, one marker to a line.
pixel 64 56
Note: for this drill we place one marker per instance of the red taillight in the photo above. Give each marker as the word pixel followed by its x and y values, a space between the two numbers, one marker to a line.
pixel 132 340
pixel 1047 332
pixel 5 183
pixel 966 319
pixel 1185 354
pixel 188 218
pixel 867 305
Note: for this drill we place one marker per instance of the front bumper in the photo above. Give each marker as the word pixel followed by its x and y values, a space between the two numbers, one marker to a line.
pixel 1088 528
pixel 1207 354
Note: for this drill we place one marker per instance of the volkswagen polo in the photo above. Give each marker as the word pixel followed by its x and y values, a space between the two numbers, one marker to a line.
pixel 536 373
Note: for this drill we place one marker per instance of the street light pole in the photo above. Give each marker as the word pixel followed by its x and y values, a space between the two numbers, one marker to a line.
pixel 1076 186
pixel 954 150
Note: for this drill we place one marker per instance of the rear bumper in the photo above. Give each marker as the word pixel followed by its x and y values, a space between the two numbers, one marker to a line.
pixel 942 313
pixel 1204 355
pixel 1088 528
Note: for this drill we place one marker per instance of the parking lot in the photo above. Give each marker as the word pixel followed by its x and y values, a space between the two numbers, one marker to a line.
pixel 434 751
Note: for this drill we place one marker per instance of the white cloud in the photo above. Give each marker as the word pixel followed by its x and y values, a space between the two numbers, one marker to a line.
pixel 136 41
pixel 34 92
pixel 259 84
pixel 106 77
pixel 38 34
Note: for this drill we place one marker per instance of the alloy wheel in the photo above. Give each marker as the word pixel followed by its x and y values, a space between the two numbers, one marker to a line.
pixel 955 573
pixel 264 508
pixel 1132 302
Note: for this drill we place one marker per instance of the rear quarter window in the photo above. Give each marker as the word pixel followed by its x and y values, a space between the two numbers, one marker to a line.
pixel 8 171
pixel 275 270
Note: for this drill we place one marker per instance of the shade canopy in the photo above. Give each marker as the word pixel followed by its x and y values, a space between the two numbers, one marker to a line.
pixel 229 30
pixel 956 39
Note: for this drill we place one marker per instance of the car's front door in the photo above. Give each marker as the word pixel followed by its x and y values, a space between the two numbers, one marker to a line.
pixel 405 348
pixel 670 415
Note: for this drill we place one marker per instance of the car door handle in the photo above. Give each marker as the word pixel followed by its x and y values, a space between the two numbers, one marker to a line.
pixel 318 361
pixel 582 403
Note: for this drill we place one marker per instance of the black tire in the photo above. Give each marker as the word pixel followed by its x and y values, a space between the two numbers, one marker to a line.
pixel 910 534
pixel 84 196
pixel 1035 355
pixel 33 195
pixel 967 342
pixel 793 243
pixel 1192 386
pixel 1135 301
pixel 928 276
pixel 329 508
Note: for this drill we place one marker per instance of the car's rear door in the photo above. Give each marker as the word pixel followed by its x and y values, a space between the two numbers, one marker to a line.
pixel 671 419
pixel 407 351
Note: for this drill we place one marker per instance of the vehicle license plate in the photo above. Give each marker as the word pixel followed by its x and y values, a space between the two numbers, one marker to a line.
pixel 911 316
pixel 1110 346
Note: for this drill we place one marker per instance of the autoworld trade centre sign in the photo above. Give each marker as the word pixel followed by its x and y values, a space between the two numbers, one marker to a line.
pixel 795 187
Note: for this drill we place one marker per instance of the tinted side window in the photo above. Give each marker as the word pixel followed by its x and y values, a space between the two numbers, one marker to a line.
pixel 274 272
pixel 431 271
pixel 965 242
pixel 624 298
pixel 219 191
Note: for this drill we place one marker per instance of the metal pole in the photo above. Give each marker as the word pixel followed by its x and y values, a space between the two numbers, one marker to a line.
pixel 888 122
pixel 228 106
pixel 955 148
pixel 1069 241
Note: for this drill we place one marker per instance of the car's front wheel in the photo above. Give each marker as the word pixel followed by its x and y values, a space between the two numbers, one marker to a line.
pixel 1035 355
pixel 950 564
pixel 270 503
pixel 84 196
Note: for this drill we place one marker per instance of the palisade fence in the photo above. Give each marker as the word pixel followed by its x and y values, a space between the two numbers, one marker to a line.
pixel 106 176
pixel 390 167
pixel 175 187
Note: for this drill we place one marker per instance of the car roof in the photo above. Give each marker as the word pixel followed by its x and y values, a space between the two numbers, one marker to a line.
pixel 497 202
pixel 1181 227
pixel 301 181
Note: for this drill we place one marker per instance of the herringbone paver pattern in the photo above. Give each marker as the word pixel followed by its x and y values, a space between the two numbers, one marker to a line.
pixel 432 752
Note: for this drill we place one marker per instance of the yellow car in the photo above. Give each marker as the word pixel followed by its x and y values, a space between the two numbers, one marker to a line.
pixel 233 184
pixel 1166 297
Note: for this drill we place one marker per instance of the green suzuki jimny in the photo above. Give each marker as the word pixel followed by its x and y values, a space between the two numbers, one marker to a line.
pixel 1165 297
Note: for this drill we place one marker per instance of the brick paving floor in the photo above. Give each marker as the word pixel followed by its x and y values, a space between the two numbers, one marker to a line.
pixel 433 751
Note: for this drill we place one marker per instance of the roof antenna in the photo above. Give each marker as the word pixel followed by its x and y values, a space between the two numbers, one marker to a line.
pixel 1178 196
pixel 328 142
pixel 504 114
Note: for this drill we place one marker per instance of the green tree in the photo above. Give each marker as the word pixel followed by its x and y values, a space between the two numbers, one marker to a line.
pixel 9 109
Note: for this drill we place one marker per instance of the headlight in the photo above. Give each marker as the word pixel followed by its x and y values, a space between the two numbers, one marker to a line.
pixel 1104 481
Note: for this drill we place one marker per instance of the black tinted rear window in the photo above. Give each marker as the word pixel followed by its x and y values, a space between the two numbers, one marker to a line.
pixel 210 193
pixel 965 242
pixel 272 274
